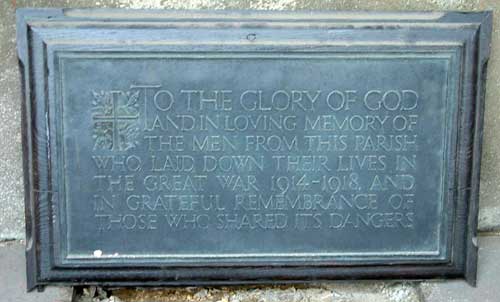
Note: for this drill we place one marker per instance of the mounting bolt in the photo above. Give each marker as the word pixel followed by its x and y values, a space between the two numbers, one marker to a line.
pixel 251 37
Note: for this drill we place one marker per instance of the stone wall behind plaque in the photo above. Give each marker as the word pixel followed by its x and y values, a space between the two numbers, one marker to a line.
pixel 11 188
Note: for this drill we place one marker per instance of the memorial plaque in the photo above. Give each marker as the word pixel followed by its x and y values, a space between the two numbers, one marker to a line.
pixel 190 148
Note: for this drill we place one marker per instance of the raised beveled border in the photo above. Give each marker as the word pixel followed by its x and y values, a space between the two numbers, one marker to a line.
pixel 41 30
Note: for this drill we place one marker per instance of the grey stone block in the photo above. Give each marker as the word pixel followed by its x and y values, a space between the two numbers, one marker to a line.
pixel 488 283
pixel 344 291
pixel 13 278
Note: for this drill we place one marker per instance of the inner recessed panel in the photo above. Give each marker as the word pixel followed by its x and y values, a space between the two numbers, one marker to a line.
pixel 263 155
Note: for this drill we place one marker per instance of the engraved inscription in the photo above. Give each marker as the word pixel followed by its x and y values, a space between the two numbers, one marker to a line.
pixel 322 185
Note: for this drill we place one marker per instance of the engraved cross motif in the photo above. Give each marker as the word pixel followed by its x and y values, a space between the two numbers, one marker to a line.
pixel 115 120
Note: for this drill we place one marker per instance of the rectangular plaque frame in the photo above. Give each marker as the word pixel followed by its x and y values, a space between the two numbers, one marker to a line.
pixel 49 37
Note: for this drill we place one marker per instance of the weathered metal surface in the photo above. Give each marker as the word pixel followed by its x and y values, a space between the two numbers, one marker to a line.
pixel 166 148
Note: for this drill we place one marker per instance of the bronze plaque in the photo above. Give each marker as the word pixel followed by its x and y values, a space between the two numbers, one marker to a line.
pixel 166 148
